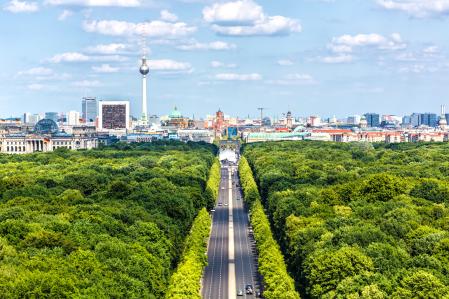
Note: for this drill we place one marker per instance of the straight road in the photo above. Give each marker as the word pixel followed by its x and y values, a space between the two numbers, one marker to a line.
pixel 215 280
pixel 231 252
pixel 245 248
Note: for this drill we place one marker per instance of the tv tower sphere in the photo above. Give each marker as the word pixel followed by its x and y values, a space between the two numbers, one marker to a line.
pixel 144 69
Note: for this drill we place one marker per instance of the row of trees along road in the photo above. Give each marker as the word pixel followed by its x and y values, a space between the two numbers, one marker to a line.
pixel 186 281
pixel 106 223
pixel 359 220
pixel 277 282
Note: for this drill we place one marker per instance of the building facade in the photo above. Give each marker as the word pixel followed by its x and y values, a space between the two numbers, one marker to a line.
pixel 373 120
pixel 113 115
pixel 27 144
pixel 89 110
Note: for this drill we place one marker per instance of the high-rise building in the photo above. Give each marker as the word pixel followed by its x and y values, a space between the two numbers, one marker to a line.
pixel 34 119
pixel 52 115
pixel 89 110
pixel 407 120
pixel 73 118
pixel 373 120
pixel 415 120
pixel 354 120
pixel 113 115
pixel 429 119
pixel 26 117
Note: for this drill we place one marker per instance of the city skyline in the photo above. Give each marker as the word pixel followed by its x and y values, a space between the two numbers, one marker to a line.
pixel 311 57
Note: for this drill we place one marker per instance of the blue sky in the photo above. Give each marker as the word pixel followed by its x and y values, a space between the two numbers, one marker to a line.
pixel 326 57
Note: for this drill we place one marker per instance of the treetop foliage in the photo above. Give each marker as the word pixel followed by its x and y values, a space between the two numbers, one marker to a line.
pixel 105 223
pixel 358 220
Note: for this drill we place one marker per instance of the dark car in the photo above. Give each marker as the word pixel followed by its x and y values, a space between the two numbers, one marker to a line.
pixel 249 289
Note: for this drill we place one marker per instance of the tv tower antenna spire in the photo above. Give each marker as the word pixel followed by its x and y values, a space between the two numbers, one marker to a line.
pixel 144 70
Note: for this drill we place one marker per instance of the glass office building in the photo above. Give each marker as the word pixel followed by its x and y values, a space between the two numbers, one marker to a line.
pixel 89 110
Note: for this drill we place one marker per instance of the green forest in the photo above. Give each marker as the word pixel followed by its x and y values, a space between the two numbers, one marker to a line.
pixel 106 223
pixel 358 220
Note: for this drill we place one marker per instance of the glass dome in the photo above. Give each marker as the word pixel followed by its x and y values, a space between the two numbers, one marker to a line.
pixel 46 126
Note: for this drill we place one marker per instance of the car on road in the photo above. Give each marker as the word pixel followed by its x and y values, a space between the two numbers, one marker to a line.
pixel 220 204
pixel 226 204
pixel 249 289
pixel 240 292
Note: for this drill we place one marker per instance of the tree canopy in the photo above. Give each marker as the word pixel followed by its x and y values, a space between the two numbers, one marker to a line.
pixel 358 220
pixel 106 223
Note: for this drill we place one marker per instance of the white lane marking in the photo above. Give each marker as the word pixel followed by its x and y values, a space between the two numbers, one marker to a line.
pixel 231 282
pixel 221 258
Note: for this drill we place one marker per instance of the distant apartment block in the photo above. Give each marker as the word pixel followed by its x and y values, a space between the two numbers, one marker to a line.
pixel 113 115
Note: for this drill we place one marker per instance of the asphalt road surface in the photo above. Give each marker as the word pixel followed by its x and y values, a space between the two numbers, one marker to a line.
pixel 231 251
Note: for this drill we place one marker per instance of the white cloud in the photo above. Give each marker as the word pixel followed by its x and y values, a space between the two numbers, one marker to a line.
pixel 407 56
pixel 346 43
pixel 65 14
pixel 79 57
pixel 169 65
pixel 339 48
pixel 86 83
pixel 105 68
pixel 69 57
pixel 35 87
pixel 285 62
pixel 37 71
pixel 219 64
pixel 108 49
pixel 418 69
pixel 217 46
pixel 95 3
pixel 151 29
pixel 431 50
pixel 337 59
pixel 238 77
pixel 245 12
pixel 295 79
pixel 417 8
pixel 16 6
pixel 247 18
pixel 168 16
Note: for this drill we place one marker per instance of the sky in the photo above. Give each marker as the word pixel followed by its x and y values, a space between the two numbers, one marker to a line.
pixel 323 57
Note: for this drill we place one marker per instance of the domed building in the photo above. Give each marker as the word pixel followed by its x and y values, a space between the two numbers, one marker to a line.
pixel 176 119
pixel 363 123
pixel 46 126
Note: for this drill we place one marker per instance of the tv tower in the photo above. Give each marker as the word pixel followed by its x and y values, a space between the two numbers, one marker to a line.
pixel 144 70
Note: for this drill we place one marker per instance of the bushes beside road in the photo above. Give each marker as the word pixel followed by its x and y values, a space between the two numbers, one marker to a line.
pixel 277 282
pixel 213 184
pixel 186 281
